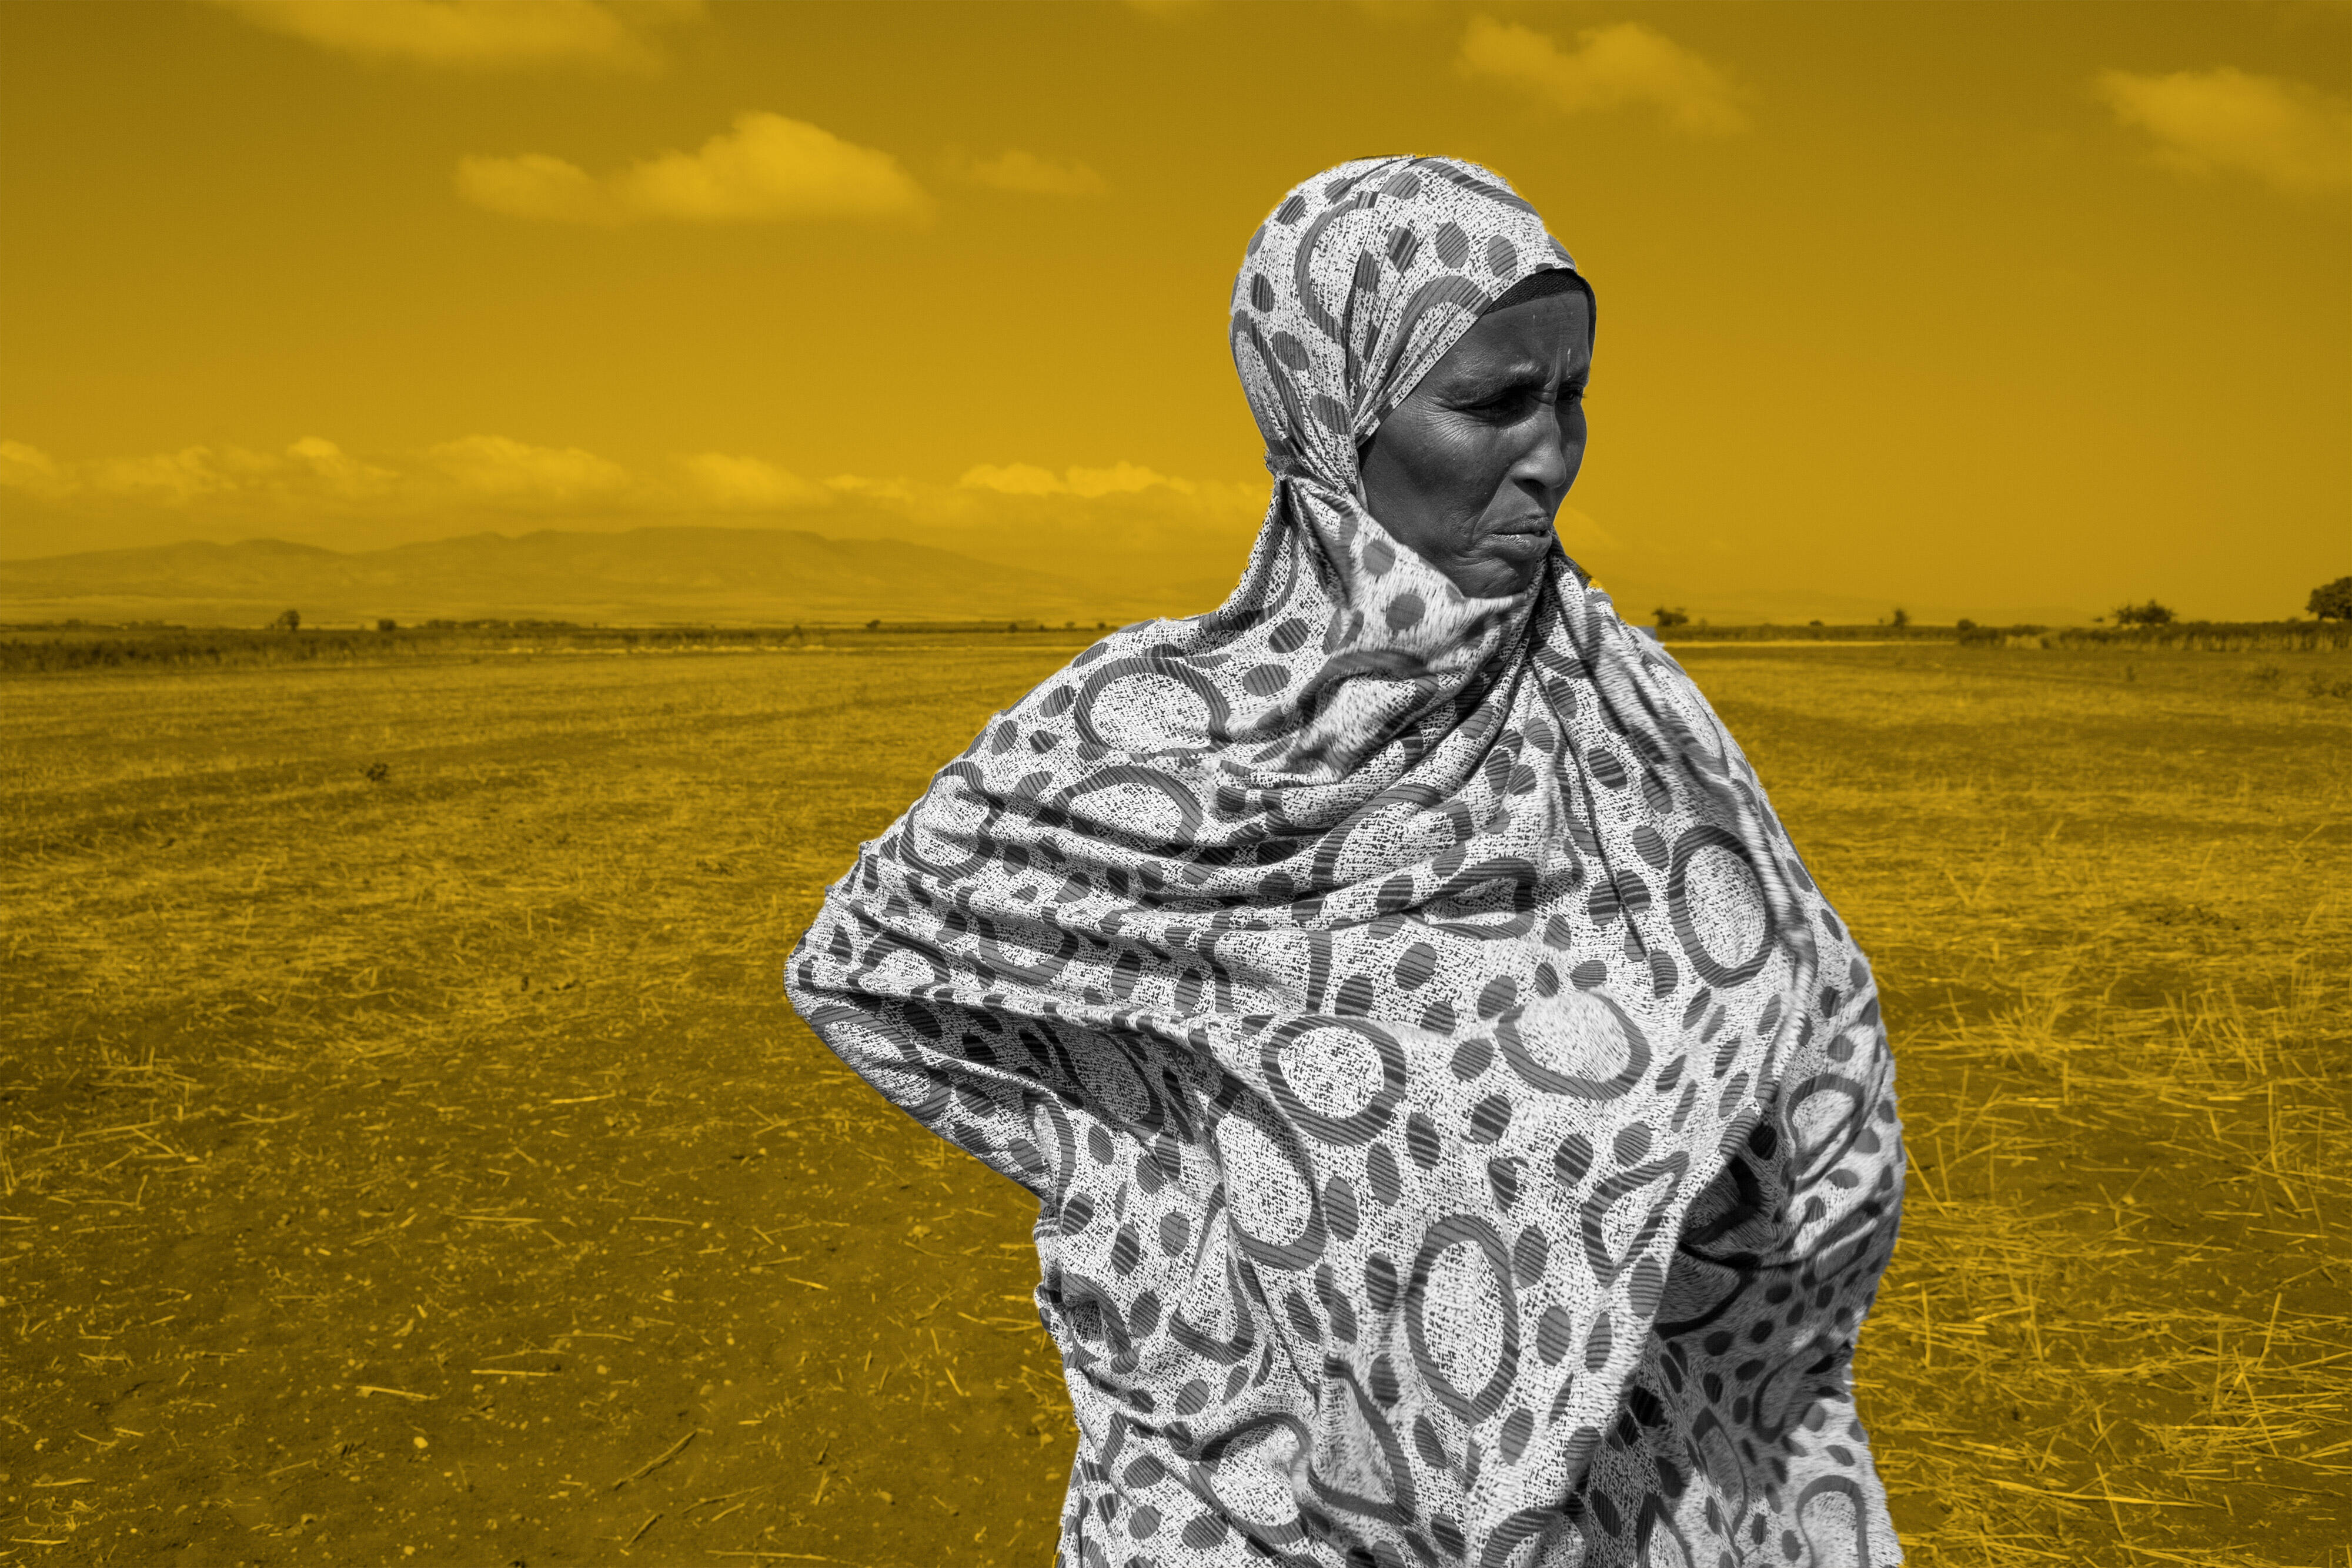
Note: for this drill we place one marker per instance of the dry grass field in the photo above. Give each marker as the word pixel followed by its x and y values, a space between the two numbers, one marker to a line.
pixel 409 1156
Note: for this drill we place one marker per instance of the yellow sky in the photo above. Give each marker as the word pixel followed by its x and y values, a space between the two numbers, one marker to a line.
pixel 1982 309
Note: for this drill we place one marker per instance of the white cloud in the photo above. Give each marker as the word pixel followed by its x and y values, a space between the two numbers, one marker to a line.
pixel 477 34
pixel 1026 479
pixel 534 185
pixel 495 467
pixel 766 169
pixel 311 465
pixel 313 489
pixel 173 477
pixel 500 474
pixel 33 471
pixel 2224 120
pixel 748 483
pixel 476 470
pixel 858 486
pixel 337 471
pixel 1029 174
pixel 1131 531
pixel 1610 68
pixel 1014 479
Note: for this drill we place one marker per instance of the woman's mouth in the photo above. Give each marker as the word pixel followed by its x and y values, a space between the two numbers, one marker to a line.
pixel 1520 534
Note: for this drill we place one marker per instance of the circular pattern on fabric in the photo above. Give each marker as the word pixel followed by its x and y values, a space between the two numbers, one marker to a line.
pixel 1010 947
pixel 1716 904
pixel 1055 1138
pixel 1148 705
pixel 1111 904
pixel 1276 1212
pixel 1380 1484
pixel 1341 1078
pixel 1472 1335
pixel 1491 900
pixel 1210 1339
pixel 1246 1474
pixel 1828 1114
pixel 1116 1085
pixel 1577 1043
pixel 1381 1171
pixel 1625 1213
pixel 959 817
pixel 1136 801
pixel 1093 1312
pixel 1833 1521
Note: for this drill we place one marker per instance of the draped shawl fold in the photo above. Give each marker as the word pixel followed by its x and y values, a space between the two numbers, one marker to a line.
pixel 1461 1130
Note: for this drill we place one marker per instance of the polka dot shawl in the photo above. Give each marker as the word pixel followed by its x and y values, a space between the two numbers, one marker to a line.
pixel 1462 1132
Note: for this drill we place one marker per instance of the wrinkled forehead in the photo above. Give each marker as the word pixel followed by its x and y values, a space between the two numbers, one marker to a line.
pixel 1362 279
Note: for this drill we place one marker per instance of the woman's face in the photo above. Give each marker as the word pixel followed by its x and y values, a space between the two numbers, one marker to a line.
pixel 1471 467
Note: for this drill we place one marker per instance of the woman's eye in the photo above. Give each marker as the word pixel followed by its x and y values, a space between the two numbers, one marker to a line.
pixel 1513 404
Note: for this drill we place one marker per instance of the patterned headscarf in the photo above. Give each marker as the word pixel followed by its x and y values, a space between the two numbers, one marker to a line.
pixel 1356 287
pixel 1461 1130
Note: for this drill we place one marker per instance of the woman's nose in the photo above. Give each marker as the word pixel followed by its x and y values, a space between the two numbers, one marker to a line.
pixel 1546 460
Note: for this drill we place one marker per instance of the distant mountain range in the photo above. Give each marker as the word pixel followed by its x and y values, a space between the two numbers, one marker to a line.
pixel 643 576
pixel 752 576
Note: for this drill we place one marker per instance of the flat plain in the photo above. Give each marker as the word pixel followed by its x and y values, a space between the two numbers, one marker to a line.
pixel 409 1155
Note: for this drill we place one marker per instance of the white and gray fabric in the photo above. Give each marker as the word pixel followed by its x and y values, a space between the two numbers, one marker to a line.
pixel 1462 1132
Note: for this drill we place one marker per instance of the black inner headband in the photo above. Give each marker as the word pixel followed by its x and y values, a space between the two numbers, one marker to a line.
pixel 1543 284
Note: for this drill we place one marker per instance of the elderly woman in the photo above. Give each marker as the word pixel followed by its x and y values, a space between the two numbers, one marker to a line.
pixel 1461 1130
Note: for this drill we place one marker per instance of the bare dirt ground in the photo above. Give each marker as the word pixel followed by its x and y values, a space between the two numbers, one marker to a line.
pixel 409 1156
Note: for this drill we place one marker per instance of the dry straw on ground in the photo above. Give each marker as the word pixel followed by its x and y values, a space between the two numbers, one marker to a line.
pixel 405 1155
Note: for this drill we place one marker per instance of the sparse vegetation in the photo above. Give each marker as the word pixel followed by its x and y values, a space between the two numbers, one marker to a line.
pixel 1813 632
pixel 393 1157
pixel 2149 614
pixel 2214 637
pixel 424 1152
pixel 2125 1087
pixel 79 646
pixel 2331 601
pixel 1975 636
